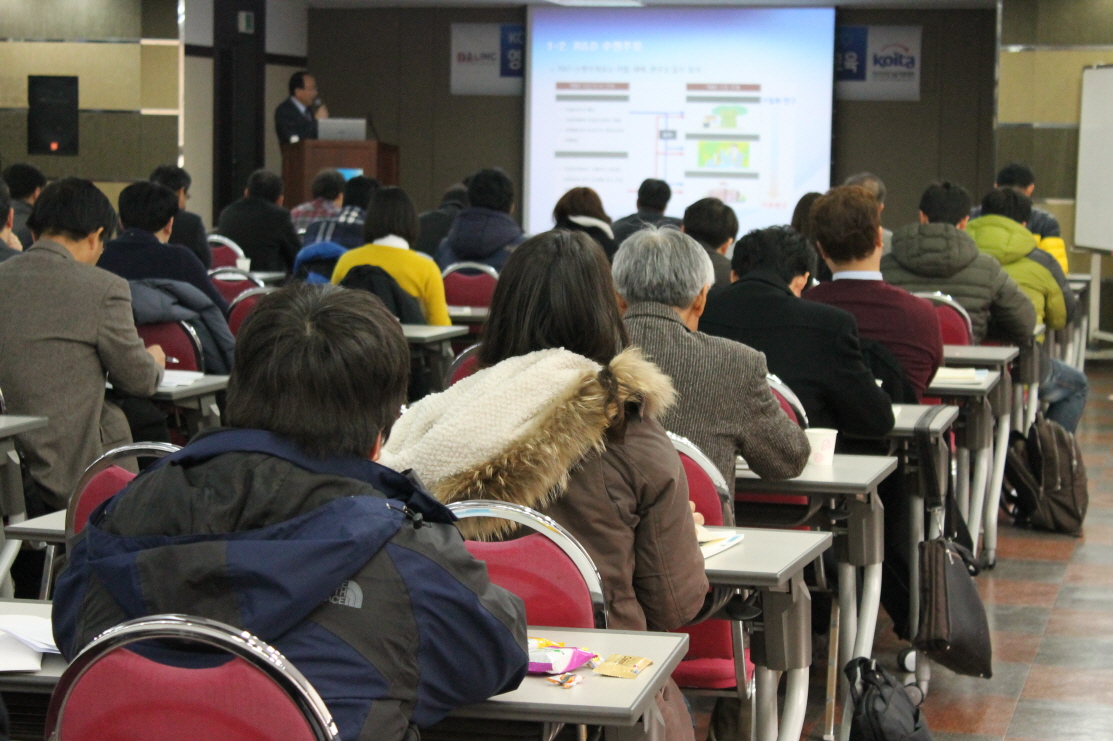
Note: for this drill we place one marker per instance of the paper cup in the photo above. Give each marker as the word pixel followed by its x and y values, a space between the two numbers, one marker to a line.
pixel 243 263
pixel 823 445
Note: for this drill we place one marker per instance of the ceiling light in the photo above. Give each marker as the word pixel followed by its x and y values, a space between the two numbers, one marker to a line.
pixel 598 3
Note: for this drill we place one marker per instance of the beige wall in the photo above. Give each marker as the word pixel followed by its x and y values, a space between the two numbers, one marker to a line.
pixel 198 149
pixel 277 90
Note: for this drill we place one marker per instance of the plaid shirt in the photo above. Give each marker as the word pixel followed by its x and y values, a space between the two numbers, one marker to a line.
pixel 315 210
pixel 345 229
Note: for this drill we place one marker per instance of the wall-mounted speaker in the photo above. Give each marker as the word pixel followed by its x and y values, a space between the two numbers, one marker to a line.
pixel 51 115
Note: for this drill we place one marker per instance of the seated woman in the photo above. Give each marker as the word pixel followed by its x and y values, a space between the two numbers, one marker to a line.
pixel 724 403
pixel 390 228
pixel 581 210
pixel 562 418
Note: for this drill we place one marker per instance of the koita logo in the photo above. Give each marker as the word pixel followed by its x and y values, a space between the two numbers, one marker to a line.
pixel 894 55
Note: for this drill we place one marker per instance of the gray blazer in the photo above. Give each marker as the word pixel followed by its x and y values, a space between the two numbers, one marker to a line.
pixel 63 326
pixel 723 402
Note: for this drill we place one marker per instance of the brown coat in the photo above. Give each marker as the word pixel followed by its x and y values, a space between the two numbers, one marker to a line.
pixel 63 326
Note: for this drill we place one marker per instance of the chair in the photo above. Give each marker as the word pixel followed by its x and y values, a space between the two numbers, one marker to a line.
pixel 953 319
pixel 548 569
pixel 113 692
pixel 469 284
pixel 231 282
pixel 225 252
pixel 242 305
pixel 465 364
pixel 103 479
pixel 178 340
pixel 788 400
pixel 706 486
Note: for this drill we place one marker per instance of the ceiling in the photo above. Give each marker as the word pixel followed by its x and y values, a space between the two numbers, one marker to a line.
pixel 890 4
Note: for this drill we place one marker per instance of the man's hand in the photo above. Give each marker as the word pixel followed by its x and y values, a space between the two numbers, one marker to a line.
pixel 157 353
pixel 321 113
pixel 695 515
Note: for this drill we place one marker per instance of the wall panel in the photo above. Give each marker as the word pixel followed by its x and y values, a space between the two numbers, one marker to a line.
pixel 199 134
pixel 71 19
pixel 108 74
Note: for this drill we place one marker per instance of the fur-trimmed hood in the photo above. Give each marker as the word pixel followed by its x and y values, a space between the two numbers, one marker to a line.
pixel 513 432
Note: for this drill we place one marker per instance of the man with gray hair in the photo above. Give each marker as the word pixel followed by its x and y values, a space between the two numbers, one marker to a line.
pixel 724 404
pixel 876 186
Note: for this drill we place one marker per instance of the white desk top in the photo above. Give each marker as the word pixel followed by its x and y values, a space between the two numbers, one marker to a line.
pixel 764 558
pixel 53 665
pixel 468 314
pixel 426 334
pixel 982 388
pixel 269 277
pixel 979 356
pixel 907 415
pixel 849 474
pixel 13 425
pixel 49 528
pixel 598 700
pixel 200 387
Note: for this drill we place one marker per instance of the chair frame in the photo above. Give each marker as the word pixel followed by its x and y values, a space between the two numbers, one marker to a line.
pixel 481 267
pixel 776 384
pixel 462 358
pixel 257 291
pixel 939 298
pixel 241 643
pixel 552 530
pixel 134 450
pixel 690 449
pixel 198 349
pixel 224 241
pixel 230 273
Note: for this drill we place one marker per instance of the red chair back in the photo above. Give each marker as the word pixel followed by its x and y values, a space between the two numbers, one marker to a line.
pixel 469 289
pixel 701 490
pixel 239 312
pixel 542 575
pixel 953 325
pixel 127 697
pixel 223 256
pixel 103 486
pixel 178 341
pixel 785 406
pixel 230 289
pixel 465 368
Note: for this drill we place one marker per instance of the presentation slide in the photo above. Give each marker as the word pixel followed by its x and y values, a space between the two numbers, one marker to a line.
pixel 733 103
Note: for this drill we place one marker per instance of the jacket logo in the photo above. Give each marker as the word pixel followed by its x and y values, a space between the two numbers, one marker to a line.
pixel 348 594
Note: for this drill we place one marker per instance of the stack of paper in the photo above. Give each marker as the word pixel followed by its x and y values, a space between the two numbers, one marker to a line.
pixel 180 378
pixel 23 641
pixel 972 376
pixel 711 543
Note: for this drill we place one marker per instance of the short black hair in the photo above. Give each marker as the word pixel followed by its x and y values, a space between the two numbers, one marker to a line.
pixel 1008 202
pixel 72 208
pixel 5 203
pixel 173 177
pixel 23 180
pixel 710 222
pixel 264 184
pixel 147 206
pixel 328 184
pixel 457 194
pixel 297 80
pixel 391 211
pixel 324 366
pixel 778 248
pixel 1016 175
pixel 945 203
pixel 358 191
pixel 654 194
pixel 491 188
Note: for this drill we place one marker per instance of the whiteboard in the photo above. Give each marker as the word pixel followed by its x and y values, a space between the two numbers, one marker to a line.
pixel 1093 215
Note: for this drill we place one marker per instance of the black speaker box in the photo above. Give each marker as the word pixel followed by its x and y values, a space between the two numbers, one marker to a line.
pixel 51 115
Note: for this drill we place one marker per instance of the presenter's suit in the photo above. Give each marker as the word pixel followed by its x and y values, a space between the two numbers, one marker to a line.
pixel 290 122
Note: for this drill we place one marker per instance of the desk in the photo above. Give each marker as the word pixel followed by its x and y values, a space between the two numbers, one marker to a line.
pixel 993 357
pixel 907 415
pixel 269 278
pixel 11 479
pixel 53 665
pixel 468 314
pixel 49 528
pixel 434 344
pixel 199 397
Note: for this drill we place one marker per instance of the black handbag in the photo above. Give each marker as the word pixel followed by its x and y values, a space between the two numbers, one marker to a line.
pixel 883 711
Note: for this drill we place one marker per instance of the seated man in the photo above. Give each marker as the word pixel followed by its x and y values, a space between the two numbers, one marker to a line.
pixel 713 224
pixel 189 230
pixel 436 223
pixel 260 226
pixel 10 246
pixel 346 227
pixel 485 231
pixel 811 347
pixel 142 251
pixel 25 182
pixel 327 190
pixel 74 325
pixel 282 524
pixel 876 187
pixel 1000 232
pixel 653 199
pixel 847 230
pixel 724 404
pixel 938 255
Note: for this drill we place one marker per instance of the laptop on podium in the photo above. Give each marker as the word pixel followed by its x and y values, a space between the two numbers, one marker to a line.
pixel 342 129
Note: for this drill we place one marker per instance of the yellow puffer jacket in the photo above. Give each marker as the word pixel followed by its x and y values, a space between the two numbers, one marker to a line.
pixel 1057 248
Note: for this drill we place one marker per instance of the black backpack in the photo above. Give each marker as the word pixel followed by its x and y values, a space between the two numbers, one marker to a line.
pixel 883 711
pixel 374 279
pixel 1045 479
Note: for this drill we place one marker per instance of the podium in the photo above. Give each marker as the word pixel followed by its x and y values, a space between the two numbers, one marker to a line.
pixel 302 161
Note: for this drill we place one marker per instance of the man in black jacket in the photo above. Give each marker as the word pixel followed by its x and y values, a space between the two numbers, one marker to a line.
pixel 294 118
pixel 260 226
pixel 653 199
pixel 811 347
pixel 189 231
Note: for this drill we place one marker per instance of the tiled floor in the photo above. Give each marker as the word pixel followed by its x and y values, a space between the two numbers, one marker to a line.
pixel 1050 608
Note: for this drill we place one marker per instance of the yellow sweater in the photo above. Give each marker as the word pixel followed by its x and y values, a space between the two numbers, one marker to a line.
pixel 415 272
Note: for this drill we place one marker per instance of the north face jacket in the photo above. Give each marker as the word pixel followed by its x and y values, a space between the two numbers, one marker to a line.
pixel 349 569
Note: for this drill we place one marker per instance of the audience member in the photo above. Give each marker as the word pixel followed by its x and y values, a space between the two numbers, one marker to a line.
pixel 189 230
pixel 847 232
pixel 1000 232
pixel 653 199
pixel 55 357
pixel 276 524
pixel 713 224
pixel 327 190
pixel 562 418
pixel 802 224
pixel 346 228
pixel 876 187
pixel 294 118
pixel 812 347
pixel 486 231
pixel 10 246
pixel 436 223
pixel 581 210
pixel 25 182
pixel 142 251
pixel 390 229
pixel 260 226
pixel 938 255
pixel 1019 177
pixel 724 404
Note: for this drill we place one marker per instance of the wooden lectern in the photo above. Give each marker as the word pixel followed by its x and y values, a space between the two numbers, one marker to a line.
pixel 302 161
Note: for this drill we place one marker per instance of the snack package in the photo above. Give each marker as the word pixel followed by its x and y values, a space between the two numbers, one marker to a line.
pixel 566 681
pixel 547 657
pixel 620 665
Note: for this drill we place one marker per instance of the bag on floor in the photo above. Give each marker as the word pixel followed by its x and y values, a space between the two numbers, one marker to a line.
pixel 954 631
pixel 883 711
pixel 1047 479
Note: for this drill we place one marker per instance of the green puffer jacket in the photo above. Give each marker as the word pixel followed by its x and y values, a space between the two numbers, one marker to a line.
pixel 939 257
pixel 1010 243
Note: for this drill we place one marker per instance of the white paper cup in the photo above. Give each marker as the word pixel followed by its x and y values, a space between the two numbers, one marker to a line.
pixel 822 441
pixel 243 263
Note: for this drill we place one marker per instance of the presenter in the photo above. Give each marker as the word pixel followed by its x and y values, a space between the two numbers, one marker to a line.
pixel 295 118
